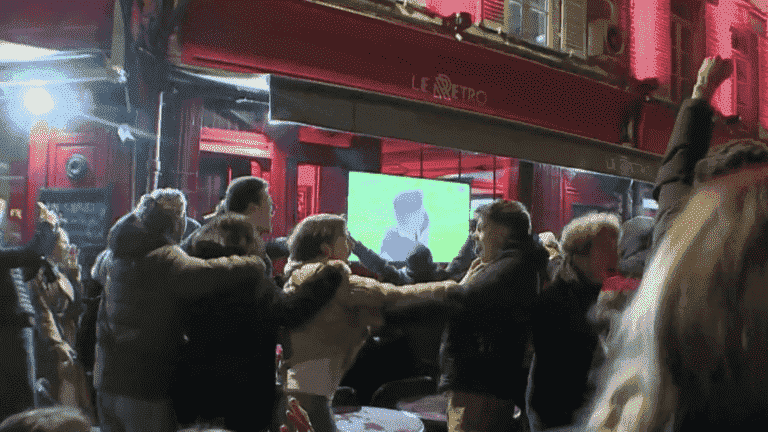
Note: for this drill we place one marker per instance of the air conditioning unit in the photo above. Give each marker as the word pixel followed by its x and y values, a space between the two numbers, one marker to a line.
pixel 605 37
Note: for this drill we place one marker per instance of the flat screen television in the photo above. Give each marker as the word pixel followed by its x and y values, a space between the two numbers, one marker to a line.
pixel 391 215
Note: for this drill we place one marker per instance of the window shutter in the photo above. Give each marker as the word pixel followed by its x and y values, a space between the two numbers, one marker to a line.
pixel 493 14
pixel 574 27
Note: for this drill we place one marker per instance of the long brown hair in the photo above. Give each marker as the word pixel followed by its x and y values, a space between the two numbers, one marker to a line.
pixel 310 234
pixel 696 334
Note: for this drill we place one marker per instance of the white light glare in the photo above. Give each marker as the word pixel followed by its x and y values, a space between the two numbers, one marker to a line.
pixel 38 101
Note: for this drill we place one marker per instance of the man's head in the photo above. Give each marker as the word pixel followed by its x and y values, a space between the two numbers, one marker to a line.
pixel 420 265
pixel 406 204
pixel 498 224
pixel 590 244
pixel 163 211
pixel 249 196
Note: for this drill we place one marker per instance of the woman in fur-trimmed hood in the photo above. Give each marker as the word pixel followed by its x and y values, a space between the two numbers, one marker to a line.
pixel 326 347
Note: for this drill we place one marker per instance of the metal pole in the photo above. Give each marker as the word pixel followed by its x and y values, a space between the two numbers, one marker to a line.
pixel 157 141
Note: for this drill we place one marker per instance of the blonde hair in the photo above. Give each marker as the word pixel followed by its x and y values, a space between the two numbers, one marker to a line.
pixel 578 235
pixel 550 242
pixel 49 419
pixel 48 216
pixel 697 324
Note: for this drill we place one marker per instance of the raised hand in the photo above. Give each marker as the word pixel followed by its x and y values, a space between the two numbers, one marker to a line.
pixel 298 417
pixel 712 73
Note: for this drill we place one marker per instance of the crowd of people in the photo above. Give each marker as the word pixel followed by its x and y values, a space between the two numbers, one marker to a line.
pixel 650 325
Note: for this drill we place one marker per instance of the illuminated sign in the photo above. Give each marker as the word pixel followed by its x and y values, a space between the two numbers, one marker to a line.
pixel 442 88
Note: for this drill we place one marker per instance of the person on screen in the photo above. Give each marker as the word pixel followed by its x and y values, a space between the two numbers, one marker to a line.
pixel 412 226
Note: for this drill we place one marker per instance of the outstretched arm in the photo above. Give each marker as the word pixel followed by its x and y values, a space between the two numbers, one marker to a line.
pixel 368 258
pixel 688 143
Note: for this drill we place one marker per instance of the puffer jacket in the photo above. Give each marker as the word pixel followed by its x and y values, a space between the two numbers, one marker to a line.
pixel 232 338
pixel 485 342
pixel 139 328
pixel 326 347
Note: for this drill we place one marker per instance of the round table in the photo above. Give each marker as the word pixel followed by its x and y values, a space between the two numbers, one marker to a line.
pixel 365 418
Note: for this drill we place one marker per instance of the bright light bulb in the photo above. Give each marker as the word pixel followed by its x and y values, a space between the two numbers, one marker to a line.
pixel 38 101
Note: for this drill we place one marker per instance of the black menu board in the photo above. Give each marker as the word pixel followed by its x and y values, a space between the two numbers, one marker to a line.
pixel 85 213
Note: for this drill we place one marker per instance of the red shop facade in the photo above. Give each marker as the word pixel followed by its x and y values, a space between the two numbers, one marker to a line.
pixel 300 102
pixel 224 89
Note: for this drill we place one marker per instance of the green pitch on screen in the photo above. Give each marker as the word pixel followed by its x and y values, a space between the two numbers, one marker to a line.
pixel 371 211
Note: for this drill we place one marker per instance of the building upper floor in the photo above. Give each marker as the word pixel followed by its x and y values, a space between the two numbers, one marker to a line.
pixel 622 42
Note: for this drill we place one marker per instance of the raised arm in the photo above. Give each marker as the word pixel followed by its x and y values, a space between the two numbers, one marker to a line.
pixel 688 143
pixel 368 258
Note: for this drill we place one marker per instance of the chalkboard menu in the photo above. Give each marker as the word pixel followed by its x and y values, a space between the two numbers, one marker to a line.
pixel 85 213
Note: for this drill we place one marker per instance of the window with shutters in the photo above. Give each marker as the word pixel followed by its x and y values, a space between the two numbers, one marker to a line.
pixel 528 20
pixel 683 72
pixel 557 24
pixel 574 27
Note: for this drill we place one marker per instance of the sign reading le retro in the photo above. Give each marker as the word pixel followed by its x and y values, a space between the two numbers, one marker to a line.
pixel 442 88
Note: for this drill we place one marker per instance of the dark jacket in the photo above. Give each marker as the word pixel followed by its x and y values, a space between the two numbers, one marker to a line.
pixel 485 341
pixel 139 330
pixel 15 308
pixel 419 266
pixel 565 342
pixel 16 314
pixel 16 319
pixel 688 144
pixel 227 367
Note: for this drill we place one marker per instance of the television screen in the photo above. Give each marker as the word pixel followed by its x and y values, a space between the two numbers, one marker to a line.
pixel 391 215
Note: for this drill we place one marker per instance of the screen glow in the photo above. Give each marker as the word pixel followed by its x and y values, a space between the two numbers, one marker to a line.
pixel 432 212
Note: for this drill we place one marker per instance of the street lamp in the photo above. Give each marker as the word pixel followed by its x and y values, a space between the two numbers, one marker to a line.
pixel 38 101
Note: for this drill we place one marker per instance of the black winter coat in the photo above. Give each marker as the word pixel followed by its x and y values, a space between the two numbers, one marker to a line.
pixel 486 337
pixel 227 367
pixel 139 331
pixel 16 314
pixel 565 342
